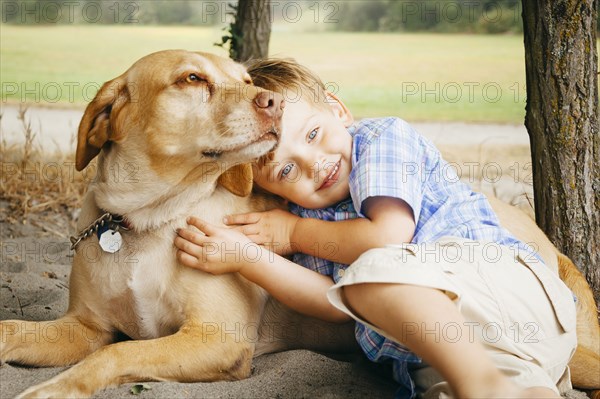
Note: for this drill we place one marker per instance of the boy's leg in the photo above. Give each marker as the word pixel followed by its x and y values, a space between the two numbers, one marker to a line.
pixel 414 316
pixel 520 314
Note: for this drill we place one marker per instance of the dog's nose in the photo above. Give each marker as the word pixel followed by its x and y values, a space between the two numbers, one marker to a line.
pixel 270 103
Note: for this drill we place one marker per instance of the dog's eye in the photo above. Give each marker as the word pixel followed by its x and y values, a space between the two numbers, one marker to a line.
pixel 192 77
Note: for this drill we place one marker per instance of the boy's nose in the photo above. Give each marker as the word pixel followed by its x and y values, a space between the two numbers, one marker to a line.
pixel 270 103
pixel 312 166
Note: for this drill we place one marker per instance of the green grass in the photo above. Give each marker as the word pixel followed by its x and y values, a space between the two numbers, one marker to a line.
pixel 82 55
pixel 420 76
pixel 415 76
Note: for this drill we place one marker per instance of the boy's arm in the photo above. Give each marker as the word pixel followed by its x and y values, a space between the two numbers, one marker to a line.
pixel 299 288
pixel 388 221
pixel 223 250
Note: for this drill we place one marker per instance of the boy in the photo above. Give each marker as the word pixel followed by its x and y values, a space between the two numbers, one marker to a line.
pixel 358 192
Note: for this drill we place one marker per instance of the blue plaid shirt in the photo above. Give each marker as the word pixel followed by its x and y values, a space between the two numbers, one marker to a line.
pixel 389 158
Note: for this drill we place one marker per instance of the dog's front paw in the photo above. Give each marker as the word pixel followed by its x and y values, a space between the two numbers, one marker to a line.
pixel 8 329
pixel 55 388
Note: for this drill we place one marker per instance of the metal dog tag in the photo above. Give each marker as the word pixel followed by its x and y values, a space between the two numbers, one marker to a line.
pixel 110 240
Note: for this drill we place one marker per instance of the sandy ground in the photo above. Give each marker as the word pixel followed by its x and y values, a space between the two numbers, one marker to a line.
pixel 36 262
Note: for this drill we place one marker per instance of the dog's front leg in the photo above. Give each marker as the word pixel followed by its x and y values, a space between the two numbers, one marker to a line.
pixel 189 355
pixel 59 342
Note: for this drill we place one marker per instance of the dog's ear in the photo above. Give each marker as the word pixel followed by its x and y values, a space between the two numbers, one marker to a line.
pixel 98 124
pixel 237 179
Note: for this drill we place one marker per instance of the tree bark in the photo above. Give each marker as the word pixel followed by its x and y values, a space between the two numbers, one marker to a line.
pixel 251 31
pixel 562 120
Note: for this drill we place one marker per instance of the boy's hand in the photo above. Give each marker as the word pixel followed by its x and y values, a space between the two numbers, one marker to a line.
pixel 220 250
pixel 272 229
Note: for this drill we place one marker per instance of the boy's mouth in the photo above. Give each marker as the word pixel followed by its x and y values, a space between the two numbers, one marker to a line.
pixel 332 177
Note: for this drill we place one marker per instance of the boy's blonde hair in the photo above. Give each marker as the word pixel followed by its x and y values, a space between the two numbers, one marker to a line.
pixel 288 78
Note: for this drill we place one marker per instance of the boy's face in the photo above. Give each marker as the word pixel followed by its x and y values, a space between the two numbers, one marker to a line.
pixel 312 163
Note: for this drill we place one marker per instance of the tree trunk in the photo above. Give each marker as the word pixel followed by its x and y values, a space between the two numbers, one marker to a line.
pixel 562 120
pixel 251 31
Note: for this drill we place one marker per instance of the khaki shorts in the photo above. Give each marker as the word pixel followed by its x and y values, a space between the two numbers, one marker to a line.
pixel 515 306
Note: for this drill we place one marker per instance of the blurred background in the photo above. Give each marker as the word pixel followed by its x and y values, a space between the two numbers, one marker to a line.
pixel 441 60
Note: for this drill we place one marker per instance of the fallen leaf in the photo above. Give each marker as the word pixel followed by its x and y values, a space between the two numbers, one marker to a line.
pixel 50 275
pixel 139 388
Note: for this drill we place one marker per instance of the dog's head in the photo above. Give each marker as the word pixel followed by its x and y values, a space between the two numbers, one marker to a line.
pixel 183 112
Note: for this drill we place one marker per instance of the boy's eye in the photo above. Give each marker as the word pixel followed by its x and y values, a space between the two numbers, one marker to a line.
pixel 311 136
pixel 286 170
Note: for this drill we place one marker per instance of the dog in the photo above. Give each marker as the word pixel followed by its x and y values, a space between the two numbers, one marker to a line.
pixel 173 136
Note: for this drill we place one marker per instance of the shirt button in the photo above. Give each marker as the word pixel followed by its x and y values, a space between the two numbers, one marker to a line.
pixel 345 207
pixel 341 273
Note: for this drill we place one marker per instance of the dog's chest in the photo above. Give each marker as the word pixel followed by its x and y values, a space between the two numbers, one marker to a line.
pixel 134 283
pixel 159 312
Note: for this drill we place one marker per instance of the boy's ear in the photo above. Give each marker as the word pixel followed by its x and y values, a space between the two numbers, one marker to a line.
pixel 339 109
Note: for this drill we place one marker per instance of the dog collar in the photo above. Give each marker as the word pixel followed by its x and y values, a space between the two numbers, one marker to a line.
pixel 107 223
